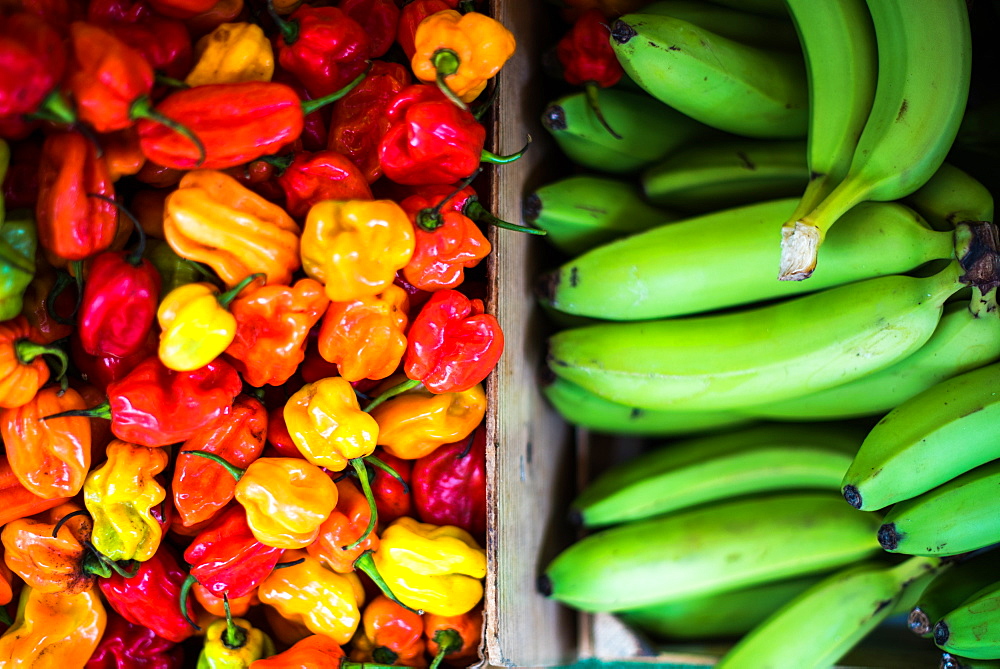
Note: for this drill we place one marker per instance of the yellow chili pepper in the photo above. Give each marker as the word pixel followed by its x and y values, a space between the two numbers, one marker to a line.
pixel 195 324
pixel 326 602
pixel 53 630
pixel 461 52
pixel 327 424
pixel 436 568
pixel 355 247
pixel 415 423
pixel 233 644
pixel 212 218
pixel 121 495
pixel 232 53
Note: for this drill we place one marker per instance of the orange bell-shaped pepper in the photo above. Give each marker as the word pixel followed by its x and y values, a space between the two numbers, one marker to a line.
pixel 365 337
pixel 51 562
pixel 22 369
pixel 53 630
pixel 394 632
pixel 212 218
pixel 454 638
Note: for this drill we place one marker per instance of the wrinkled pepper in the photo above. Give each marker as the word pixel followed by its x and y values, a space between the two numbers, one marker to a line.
pixel 588 60
pixel 53 630
pixel 365 336
pixel 345 525
pixel 438 569
pixel 213 219
pixel 355 247
pixel 16 501
pixel 126 645
pixel 50 562
pixel 216 606
pixel 22 369
pixel 232 53
pixel 32 63
pixel 454 638
pixel 18 243
pixel 449 485
pixel 311 178
pixel 233 643
pixel 272 324
pixel 395 633
pixel 328 426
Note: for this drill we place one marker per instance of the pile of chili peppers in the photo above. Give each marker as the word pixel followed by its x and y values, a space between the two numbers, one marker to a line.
pixel 243 343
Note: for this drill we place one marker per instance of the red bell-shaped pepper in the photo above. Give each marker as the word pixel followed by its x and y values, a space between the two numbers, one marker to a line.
pixel 324 175
pixel 127 645
pixel 32 63
pixel 378 18
pixel 449 485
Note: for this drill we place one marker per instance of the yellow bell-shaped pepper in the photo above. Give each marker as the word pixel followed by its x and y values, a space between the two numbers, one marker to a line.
pixel 326 602
pixel 435 568
pixel 355 247
pixel 233 644
pixel 232 53
pixel 327 424
pixel 195 324
pixel 53 630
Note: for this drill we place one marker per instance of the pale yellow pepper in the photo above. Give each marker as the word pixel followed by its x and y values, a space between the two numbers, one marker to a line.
pixel 232 53
pixel 53 630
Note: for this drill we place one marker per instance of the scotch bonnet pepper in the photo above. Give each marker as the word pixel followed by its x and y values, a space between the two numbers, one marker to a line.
pixel 365 337
pixel 311 178
pixel 449 485
pixel 53 629
pixel 394 633
pixel 233 643
pixel 49 560
pixel 125 645
pixel 232 53
pixel 22 369
pixel 454 638
pixel 32 63
pixel 16 501
pixel 345 525
pixel 378 18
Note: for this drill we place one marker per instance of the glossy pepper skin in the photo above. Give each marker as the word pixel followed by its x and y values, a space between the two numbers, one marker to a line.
pixel 454 638
pixel 327 602
pixel 47 563
pixel 53 630
pixel 272 325
pixel 200 487
pixel 164 43
pixel 316 651
pixel 345 525
pixel 213 219
pixel 152 597
pixel 460 51
pixel 417 422
pixel 126 645
pixel 355 247
pixel 449 485
pixel 101 371
pixel 327 424
pixel 72 225
pixel 365 336
pixel 16 501
pixel 452 345
pixel 22 369
pixel 437 569
pixel 32 63
pixel 324 175
pixel 222 652
pixel 323 47
pixel 430 140
pixel 358 121
pixel 50 458
pixel 216 606
pixel 395 633
pixel 232 53
pixel 123 158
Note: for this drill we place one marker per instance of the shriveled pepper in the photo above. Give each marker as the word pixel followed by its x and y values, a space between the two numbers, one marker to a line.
pixel 417 422
pixel 454 638
pixel 49 561
pixel 232 53
pixel 50 458
pixel 53 630
pixel 588 60
pixel 213 219
pixel 460 52
pixel 311 178
pixel 32 63
pixel 272 324
pixel 233 643
pixel 16 501
pixel 449 485
pixel 355 247
pixel 22 369
pixel 201 488
pixel 18 243
pixel 395 633
pixel 438 569
pixel 345 525
pixel 378 18
pixel 365 336
pixel 126 645
pixel 327 602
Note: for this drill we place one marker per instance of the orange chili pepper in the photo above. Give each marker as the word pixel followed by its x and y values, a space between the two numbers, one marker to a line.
pixel 454 638
pixel 316 651
pixel 395 632
pixel 50 563
pixel 16 501
pixel 238 606
pixel 346 524
pixel 22 370
pixel 122 154
pixel 365 337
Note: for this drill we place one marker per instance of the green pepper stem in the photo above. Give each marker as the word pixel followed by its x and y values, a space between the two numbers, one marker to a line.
pixel 62 521
pixel 490 157
pixel 409 384
pixel 135 257
pixel 384 655
pixel 375 462
pixel 93 564
pixel 477 212
pixel 185 592
pixel 366 486
pixel 430 219
pixel 230 295
pixel 448 641
pixel 100 411
pixel 591 91
pixel 55 108
pixel 309 106
pixel 484 106
pixel 143 108
pixel 280 163
pixel 289 29
pixel 4 616
pixel 170 81
pixel 233 470
pixel 446 63
pixel 235 637
pixel 26 351
pixel 466 6
pixel 366 563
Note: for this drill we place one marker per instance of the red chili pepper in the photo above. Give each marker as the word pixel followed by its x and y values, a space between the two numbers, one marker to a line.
pixel 126 645
pixel 325 175
pixel 449 485
pixel 323 47
pixel 278 436
pixel 411 16
pixel 378 18
pixel 165 43
pixel 103 370
pixel 588 60
pixel 57 13
pixel 393 499
pixel 452 343
pixel 182 9
pixel 314 129
pixel 32 63
pixel 358 121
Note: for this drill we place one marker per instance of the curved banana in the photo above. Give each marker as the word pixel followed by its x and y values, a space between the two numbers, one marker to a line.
pixel 959 516
pixel 739 25
pixel 585 409
pixel 756 459
pixel 924 65
pixel 708 550
pixel 583 211
pixel 649 130
pixel 726 258
pixel 951 197
pixel 710 177
pixel 931 438
pixel 838 41
pixel 825 622
pixel 724 84
pixel 972 630
pixel 949 589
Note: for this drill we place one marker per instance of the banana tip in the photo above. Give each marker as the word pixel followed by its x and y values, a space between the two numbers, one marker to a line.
pixel 531 208
pixel 544 585
pixel 622 32
pixel 941 633
pixel 799 247
pixel 888 537
pixel 575 517
pixel 852 496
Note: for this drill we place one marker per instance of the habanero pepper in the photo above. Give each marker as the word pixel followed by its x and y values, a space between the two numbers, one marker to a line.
pixel 345 525
pixel 216 606
pixel 365 336
pixel 378 18
pixel 394 632
pixel 122 156
pixel 53 629
pixel 103 370
pixel 232 53
pixel 48 561
pixel 588 60
pixel 233 643
pixel 449 485
pixel 22 369
pixel 454 638
pixel 126 645
pixel 311 178
pixel 16 501
pixel 49 302
pixel 32 63
pixel 316 651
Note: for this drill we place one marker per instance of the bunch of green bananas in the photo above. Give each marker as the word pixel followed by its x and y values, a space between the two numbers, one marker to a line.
pixel 708 294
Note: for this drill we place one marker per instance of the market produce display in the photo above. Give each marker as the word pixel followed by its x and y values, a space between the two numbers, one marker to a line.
pixel 243 337
pixel 778 258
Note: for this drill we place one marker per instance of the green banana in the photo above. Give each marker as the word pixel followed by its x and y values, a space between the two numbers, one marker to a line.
pixel 964 339
pixel 959 516
pixel 726 258
pixel 825 622
pixel 949 589
pixel 649 130
pixel 724 84
pixel 949 661
pixel 583 211
pixel 924 65
pixel 735 24
pixel 585 409
pixel 710 177
pixel 725 614
pixel 710 549
pixel 762 354
pixel 972 630
pixel 927 440
pixel 756 459
pixel 951 197
pixel 838 41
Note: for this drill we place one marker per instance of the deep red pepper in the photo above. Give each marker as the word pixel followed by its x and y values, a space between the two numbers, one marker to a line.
pixel 57 13
pixel 588 60
pixel 323 47
pixel 392 498
pixel 16 128
pixel 32 62
pixel 411 16
pixel 378 18
pixel 324 175
pixel 165 43
pixel 182 9
pixel 127 645
pixel 20 186
pixel 358 121
pixel 103 370
pixel 152 597
pixel 314 127
pixel 452 345
pixel 103 12
pixel 449 485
